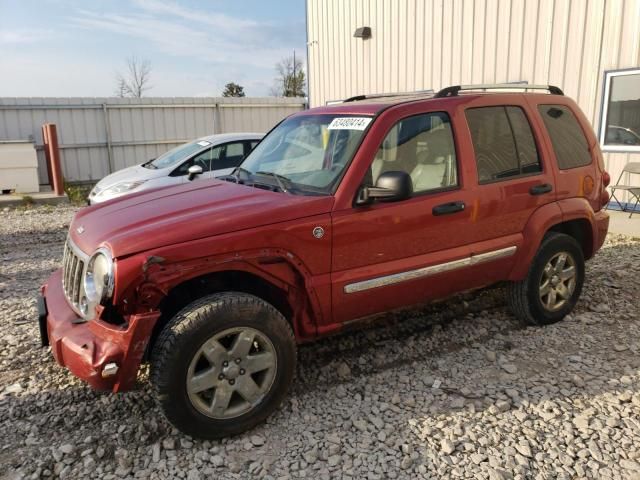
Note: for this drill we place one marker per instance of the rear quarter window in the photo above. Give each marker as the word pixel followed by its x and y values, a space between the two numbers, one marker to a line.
pixel 567 137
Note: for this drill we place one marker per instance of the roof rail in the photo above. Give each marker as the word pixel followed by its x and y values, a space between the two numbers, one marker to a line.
pixel 453 90
pixel 390 94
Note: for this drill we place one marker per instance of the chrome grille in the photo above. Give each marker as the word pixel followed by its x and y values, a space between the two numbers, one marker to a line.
pixel 72 273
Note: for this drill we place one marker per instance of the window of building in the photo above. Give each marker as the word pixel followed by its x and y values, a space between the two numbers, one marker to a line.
pixel 567 137
pixel 422 146
pixel 620 122
pixel 503 143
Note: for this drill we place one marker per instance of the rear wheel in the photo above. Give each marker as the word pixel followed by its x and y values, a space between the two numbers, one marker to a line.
pixel 553 284
pixel 223 364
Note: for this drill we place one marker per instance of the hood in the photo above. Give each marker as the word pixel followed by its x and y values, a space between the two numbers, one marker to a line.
pixel 166 216
pixel 130 174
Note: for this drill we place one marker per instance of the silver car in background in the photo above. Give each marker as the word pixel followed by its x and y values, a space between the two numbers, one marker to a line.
pixel 206 157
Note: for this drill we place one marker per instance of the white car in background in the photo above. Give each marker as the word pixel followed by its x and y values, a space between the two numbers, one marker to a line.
pixel 206 157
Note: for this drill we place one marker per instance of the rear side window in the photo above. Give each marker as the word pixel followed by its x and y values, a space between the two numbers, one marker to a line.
pixel 567 137
pixel 503 143
pixel 231 156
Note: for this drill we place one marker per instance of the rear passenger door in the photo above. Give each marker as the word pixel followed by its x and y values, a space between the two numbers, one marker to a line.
pixel 512 177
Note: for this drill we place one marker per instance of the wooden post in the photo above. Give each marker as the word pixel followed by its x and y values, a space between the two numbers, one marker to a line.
pixel 52 153
pixel 46 155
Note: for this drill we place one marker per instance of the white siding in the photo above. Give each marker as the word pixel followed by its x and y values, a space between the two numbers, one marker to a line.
pixel 422 44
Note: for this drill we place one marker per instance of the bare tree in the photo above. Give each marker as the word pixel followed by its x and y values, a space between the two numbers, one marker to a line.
pixel 290 81
pixel 136 79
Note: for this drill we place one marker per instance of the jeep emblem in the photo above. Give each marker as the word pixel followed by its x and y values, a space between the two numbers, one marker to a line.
pixel 318 232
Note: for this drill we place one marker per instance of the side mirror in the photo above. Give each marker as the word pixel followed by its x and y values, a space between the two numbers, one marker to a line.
pixel 390 187
pixel 194 170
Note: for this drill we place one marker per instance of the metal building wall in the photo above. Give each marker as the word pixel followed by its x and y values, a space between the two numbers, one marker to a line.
pixel 422 44
pixel 99 135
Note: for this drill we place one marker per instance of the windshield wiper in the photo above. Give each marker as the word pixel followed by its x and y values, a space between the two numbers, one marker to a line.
pixel 281 179
pixel 234 177
pixel 150 164
pixel 241 170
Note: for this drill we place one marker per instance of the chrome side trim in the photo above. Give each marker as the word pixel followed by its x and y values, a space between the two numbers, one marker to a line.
pixel 493 255
pixel 428 271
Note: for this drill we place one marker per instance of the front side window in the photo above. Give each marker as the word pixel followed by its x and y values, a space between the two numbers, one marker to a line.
pixel 620 123
pixel 311 152
pixel 503 143
pixel 421 146
pixel 202 160
pixel 567 137
pixel 176 155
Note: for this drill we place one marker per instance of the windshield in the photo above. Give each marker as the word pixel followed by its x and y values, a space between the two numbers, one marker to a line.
pixel 177 154
pixel 309 151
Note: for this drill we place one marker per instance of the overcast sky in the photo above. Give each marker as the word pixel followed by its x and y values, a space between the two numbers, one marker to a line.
pixel 73 48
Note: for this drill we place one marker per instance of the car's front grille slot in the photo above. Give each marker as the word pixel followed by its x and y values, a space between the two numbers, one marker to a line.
pixel 65 267
pixel 72 271
pixel 77 278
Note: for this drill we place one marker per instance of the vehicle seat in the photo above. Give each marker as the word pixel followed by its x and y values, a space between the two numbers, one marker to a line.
pixel 431 166
pixel 381 164
pixel 376 166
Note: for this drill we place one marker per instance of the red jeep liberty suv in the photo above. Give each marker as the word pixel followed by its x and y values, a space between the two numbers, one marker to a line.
pixel 340 213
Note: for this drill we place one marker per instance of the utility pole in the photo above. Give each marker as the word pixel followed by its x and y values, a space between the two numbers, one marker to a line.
pixel 294 72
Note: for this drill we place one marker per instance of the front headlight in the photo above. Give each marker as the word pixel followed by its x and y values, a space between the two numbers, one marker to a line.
pixel 122 187
pixel 98 280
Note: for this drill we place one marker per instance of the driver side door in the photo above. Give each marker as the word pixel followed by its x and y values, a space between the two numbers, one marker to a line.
pixel 202 159
pixel 392 254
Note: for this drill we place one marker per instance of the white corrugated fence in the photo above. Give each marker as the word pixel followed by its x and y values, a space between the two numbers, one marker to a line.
pixel 101 135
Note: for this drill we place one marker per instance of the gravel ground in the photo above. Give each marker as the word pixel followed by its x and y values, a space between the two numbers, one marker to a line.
pixel 459 389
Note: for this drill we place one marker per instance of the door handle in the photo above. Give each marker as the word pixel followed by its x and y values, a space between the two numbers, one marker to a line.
pixel 540 189
pixel 447 208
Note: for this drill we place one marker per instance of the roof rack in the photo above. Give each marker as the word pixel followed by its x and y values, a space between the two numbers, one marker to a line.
pixel 453 90
pixel 390 94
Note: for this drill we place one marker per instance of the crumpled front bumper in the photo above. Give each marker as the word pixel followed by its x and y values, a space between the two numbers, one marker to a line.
pixel 85 348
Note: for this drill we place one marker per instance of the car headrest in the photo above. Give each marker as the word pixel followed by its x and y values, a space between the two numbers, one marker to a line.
pixel 439 143
pixel 439 146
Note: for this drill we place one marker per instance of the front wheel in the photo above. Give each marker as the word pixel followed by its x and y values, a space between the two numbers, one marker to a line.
pixel 223 364
pixel 553 284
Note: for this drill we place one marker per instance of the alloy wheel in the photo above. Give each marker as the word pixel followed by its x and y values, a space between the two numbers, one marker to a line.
pixel 231 373
pixel 558 281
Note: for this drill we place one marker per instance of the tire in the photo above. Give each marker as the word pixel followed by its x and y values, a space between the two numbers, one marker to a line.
pixel 193 365
pixel 526 298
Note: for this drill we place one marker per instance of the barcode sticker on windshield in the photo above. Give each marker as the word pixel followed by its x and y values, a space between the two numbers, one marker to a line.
pixel 349 123
pixel 204 143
